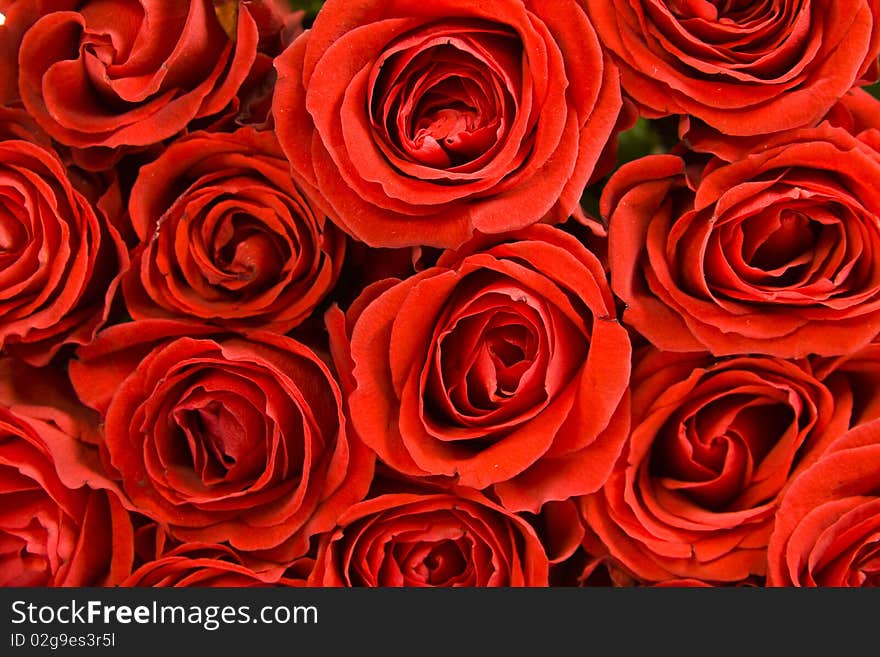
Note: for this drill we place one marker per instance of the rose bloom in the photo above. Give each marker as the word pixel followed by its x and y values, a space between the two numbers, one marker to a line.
pixel 223 437
pixel 54 530
pixel 827 529
pixel 744 68
pixel 429 539
pixel 773 253
pixel 855 380
pixel 163 562
pixel 61 257
pixel 227 237
pixel 857 112
pixel 204 565
pixel 502 366
pixel 421 122
pixel 713 445
pixel 15 123
pixel 115 74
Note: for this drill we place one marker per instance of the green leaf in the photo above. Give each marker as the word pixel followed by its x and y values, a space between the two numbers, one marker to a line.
pixel 640 140
pixel 310 7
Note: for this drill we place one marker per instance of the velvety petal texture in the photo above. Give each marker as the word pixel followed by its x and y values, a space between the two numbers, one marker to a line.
pixel 828 527
pixel 855 380
pixel 439 293
pixel 60 257
pixel 112 74
pixel 420 123
pixel 164 562
pixel 430 540
pixel 224 437
pixel 226 236
pixel 713 447
pixel 775 252
pixel 61 524
pixel 744 67
pixel 502 367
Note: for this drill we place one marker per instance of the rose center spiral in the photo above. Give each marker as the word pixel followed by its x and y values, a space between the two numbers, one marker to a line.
pixel 433 563
pixel 443 98
pixel 710 454
pixel 224 441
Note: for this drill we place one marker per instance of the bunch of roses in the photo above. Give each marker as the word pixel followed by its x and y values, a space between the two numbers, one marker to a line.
pixel 373 298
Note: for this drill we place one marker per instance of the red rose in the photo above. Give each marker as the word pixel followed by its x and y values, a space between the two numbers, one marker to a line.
pixel 855 380
pixel 430 539
pixel 54 531
pixel 827 529
pixel 744 68
pixel 858 112
pixel 15 123
pixel 503 366
pixel 773 253
pixel 60 262
pixel 216 565
pixel 205 565
pixel 118 74
pixel 222 437
pixel 423 122
pixel 227 237
pixel 713 445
